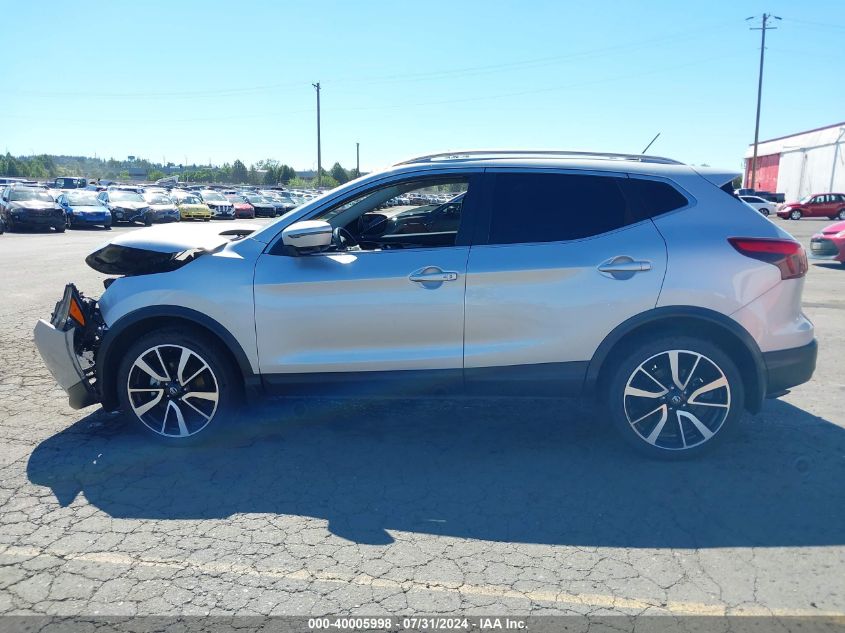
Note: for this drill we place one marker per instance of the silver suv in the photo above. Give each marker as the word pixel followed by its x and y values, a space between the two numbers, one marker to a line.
pixel 635 282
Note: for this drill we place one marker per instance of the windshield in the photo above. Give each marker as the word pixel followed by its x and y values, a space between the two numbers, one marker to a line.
pixel 190 200
pixel 213 195
pixel 125 196
pixel 805 199
pixel 83 198
pixel 157 198
pixel 24 194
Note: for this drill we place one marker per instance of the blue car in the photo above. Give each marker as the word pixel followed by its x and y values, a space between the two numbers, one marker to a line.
pixel 82 208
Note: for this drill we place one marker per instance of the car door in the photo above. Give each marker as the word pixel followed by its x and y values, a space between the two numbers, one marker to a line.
pixel 385 314
pixel 564 260
pixel 817 206
pixel 828 207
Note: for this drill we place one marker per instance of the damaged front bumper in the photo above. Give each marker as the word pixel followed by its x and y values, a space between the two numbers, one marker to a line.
pixel 68 344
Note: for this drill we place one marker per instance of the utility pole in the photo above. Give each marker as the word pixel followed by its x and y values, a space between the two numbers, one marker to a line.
pixel 764 25
pixel 319 154
pixel 357 160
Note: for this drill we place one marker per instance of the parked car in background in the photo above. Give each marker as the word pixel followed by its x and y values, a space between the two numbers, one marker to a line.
pixel 163 207
pixel 829 244
pixel 264 208
pixel 221 208
pixel 191 207
pixel 126 206
pixel 84 208
pixel 817 205
pixel 755 202
pixel 770 196
pixel 282 197
pixel 243 209
pixel 69 182
pixel 31 207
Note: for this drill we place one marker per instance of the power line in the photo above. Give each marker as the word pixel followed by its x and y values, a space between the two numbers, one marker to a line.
pixel 391 78
pixel 824 25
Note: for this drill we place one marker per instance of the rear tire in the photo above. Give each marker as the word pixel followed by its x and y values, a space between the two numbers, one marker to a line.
pixel 678 417
pixel 60 228
pixel 179 388
pixel 841 214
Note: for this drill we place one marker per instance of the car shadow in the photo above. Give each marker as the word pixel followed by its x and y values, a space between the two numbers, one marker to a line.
pixel 88 228
pixel 504 470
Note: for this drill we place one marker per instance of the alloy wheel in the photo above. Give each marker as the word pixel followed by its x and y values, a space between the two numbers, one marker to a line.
pixel 795 215
pixel 173 391
pixel 677 399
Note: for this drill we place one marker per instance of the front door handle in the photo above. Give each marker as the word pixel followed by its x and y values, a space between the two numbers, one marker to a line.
pixel 432 274
pixel 623 267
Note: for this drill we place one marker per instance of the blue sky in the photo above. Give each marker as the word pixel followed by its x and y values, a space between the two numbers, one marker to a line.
pixel 200 80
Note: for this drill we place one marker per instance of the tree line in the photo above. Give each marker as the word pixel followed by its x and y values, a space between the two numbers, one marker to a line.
pixel 264 172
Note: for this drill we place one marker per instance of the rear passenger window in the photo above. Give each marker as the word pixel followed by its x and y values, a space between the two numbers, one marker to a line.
pixel 656 197
pixel 554 207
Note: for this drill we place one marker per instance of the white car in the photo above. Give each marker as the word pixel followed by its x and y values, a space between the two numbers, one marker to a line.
pixel 759 204
pixel 628 281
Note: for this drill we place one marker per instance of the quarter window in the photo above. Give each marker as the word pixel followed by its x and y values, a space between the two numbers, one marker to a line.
pixel 656 197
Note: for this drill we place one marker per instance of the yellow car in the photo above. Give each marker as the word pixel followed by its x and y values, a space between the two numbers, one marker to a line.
pixel 192 208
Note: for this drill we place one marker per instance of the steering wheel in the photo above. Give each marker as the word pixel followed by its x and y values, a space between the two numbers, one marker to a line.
pixel 343 239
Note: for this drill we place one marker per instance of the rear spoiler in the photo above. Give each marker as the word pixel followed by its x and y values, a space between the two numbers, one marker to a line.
pixel 719 177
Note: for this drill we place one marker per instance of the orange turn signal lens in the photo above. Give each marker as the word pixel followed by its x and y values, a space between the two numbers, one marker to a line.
pixel 75 312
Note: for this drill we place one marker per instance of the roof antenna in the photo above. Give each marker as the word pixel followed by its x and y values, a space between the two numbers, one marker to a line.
pixel 650 144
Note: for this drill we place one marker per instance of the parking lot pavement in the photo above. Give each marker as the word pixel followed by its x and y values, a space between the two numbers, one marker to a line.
pixel 405 507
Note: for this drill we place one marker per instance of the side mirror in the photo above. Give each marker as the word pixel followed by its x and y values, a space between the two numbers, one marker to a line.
pixel 307 235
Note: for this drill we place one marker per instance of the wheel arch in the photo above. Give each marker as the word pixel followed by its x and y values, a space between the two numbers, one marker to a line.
pixel 130 327
pixel 714 326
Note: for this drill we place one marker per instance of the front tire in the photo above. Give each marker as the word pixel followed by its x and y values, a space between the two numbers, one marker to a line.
pixel 178 388
pixel 675 397
pixel 795 214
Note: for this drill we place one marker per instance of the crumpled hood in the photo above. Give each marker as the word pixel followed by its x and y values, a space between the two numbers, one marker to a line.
pixel 164 247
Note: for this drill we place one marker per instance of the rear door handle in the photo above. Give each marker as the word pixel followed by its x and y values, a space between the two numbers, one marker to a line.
pixel 432 274
pixel 623 267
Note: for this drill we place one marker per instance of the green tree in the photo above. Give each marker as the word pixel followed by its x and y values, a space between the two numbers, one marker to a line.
pixel 239 172
pixel 270 176
pixel 287 173
pixel 155 174
pixel 339 174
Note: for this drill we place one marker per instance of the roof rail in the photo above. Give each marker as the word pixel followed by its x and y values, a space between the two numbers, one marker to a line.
pixel 478 154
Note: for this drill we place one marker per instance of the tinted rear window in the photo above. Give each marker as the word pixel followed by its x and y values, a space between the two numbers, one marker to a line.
pixel 554 207
pixel 655 197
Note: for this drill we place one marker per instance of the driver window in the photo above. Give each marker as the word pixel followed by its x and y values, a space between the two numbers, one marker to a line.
pixel 418 214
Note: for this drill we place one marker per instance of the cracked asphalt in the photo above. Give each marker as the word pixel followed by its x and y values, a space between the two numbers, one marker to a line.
pixel 406 506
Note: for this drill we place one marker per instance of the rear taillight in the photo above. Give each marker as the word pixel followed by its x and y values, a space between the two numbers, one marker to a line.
pixel 787 255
